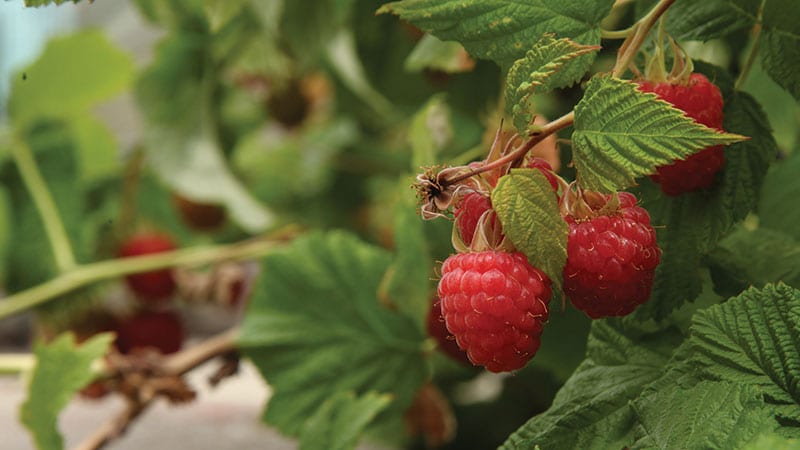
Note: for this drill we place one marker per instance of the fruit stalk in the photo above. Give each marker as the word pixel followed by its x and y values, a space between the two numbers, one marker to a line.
pixel 631 47
pixel 751 57
pixel 43 201
pixel 95 272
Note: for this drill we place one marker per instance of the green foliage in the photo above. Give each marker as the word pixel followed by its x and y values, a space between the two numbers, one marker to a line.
pixel 429 133
pixel 62 368
pixel 72 74
pixel 622 133
pixel 754 258
pixel 707 415
pixel 339 422
pixel 315 328
pixel 780 46
pixel 781 189
pixel 38 3
pixel 592 408
pixel 772 441
pixel 434 54
pixel 503 30
pixel 710 19
pixel 526 206
pixel 540 71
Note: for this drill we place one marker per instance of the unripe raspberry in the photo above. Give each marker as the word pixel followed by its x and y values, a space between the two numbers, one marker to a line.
pixel 702 101
pixel 154 286
pixel 495 304
pixel 611 260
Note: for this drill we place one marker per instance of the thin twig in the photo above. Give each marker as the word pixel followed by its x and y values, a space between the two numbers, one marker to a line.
pixel 176 365
pixel 751 57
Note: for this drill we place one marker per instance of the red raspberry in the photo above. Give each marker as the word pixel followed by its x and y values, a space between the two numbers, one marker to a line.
pixel 152 286
pixel 611 260
pixel 495 304
pixel 467 213
pixel 160 330
pixel 701 100
pixel 438 330
pixel 546 169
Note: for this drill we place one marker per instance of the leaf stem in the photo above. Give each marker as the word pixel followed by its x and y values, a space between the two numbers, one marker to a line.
pixel 751 57
pixel 83 275
pixel 43 201
pixel 617 34
pixel 631 46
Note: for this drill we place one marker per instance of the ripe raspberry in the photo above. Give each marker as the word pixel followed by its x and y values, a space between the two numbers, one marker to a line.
pixel 152 286
pixel 702 101
pixel 467 213
pixel 495 304
pixel 161 330
pixel 546 169
pixel 438 331
pixel 611 260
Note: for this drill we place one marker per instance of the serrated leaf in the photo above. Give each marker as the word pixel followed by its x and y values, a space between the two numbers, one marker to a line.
pixel 710 19
pixel 622 133
pixel 407 283
pixel 592 409
pixel 430 133
pixel 503 30
pixel 754 340
pixel 781 188
pixel 435 54
pixel 72 74
pixel 780 42
pixel 538 72
pixel 692 223
pixel 339 422
pixel 62 368
pixel 707 415
pixel 315 327
pixel 527 207
pixel 754 258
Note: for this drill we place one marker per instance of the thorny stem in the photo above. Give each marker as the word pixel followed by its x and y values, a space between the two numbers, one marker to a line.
pixel 751 57
pixel 43 201
pixel 177 364
pixel 92 273
pixel 518 153
pixel 634 43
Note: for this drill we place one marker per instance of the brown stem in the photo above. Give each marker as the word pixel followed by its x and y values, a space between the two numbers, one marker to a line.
pixel 631 46
pixel 519 153
pixel 177 364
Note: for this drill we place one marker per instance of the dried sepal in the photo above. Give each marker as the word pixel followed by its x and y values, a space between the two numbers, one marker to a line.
pixel 438 190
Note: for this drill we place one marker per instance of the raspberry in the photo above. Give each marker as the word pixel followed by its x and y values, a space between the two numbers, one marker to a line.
pixel 160 330
pixel 438 331
pixel 611 260
pixel 199 216
pixel 701 100
pixel 467 213
pixel 546 169
pixel 151 286
pixel 495 304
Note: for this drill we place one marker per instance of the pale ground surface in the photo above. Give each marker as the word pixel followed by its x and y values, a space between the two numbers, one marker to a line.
pixel 226 417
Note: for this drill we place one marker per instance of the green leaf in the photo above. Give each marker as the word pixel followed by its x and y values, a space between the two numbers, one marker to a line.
pixel 430 133
pixel 62 368
pixel 772 441
pixel 754 258
pixel 592 409
pixel 434 54
pixel 706 415
pixel 72 74
pixel 622 133
pixel 780 44
pixel 221 12
pixel 38 3
pixel 538 72
pixel 528 209
pixel 407 282
pixel 754 340
pixel 692 223
pixel 97 149
pixel 710 19
pixel 315 327
pixel 503 30
pixel 339 422
pixel 781 189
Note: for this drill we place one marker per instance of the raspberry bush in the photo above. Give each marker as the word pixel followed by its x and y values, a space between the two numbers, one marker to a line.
pixel 599 248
